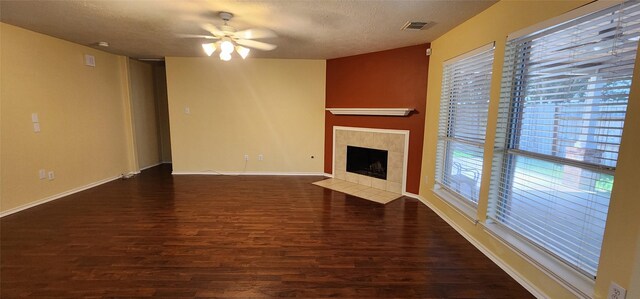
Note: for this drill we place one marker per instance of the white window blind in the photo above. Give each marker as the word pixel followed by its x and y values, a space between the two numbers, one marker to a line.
pixel 563 101
pixel 464 105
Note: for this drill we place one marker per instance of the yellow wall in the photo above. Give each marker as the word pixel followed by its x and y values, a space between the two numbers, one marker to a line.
pixel 144 113
pixel 620 259
pixel 271 107
pixel 81 111
pixel 620 248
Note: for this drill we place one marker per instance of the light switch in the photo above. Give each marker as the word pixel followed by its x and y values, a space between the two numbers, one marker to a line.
pixel 187 110
pixel 89 60
pixel 34 117
pixel 36 127
pixel 42 174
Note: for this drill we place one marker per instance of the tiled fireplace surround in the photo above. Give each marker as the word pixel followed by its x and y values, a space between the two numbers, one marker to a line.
pixel 396 142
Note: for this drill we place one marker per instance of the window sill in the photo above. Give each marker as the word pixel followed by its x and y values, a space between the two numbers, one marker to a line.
pixel 576 282
pixel 456 203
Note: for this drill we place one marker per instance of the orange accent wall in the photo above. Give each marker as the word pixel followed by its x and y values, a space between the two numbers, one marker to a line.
pixel 388 79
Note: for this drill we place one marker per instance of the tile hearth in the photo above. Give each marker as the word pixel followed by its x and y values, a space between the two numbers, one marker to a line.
pixel 362 191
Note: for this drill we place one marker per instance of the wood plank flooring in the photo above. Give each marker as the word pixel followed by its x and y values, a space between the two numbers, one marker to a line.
pixel 158 235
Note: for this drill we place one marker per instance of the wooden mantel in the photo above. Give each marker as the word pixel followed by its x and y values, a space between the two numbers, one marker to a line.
pixel 371 111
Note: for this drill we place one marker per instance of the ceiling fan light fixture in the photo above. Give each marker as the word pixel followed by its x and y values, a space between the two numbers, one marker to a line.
pixel 209 48
pixel 224 56
pixel 229 40
pixel 226 46
pixel 244 52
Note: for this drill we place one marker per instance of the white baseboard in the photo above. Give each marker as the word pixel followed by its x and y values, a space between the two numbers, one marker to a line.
pixel 494 258
pixel 153 165
pixel 57 196
pixel 409 194
pixel 246 173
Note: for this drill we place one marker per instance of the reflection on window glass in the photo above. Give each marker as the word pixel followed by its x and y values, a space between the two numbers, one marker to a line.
pixel 559 206
pixel 463 168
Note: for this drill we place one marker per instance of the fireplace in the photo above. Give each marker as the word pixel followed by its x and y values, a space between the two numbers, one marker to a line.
pixel 367 161
pixel 394 144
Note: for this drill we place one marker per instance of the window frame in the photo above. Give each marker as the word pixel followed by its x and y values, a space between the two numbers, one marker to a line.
pixel 503 162
pixel 444 160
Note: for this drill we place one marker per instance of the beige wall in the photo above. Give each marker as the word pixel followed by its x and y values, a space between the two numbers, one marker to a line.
pixel 271 107
pixel 144 110
pixel 620 247
pixel 1 123
pixel 81 111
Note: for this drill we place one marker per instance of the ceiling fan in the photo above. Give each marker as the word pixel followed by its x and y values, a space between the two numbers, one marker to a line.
pixel 228 39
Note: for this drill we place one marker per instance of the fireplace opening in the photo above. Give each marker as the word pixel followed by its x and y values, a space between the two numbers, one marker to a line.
pixel 367 161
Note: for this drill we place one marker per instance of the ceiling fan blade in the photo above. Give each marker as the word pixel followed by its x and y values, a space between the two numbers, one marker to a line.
pixel 197 36
pixel 256 44
pixel 212 29
pixel 255 33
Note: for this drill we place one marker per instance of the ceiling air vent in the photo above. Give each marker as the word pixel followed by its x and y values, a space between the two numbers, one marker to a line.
pixel 414 25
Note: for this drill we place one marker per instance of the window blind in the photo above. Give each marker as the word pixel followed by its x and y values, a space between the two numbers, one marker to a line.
pixel 463 119
pixel 563 101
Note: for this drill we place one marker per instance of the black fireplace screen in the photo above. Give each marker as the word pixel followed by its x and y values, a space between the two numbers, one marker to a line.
pixel 367 161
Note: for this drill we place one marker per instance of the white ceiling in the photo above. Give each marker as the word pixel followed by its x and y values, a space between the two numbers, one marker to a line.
pixel 321 29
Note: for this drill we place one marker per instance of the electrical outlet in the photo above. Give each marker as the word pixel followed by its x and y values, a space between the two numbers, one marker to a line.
pixel 260 157
pixel 51 175
pixel 616 291
pixel 42 174
pixel 36 127
pixel 246 157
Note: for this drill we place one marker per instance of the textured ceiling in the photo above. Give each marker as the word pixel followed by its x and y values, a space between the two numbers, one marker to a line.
pixel 319 29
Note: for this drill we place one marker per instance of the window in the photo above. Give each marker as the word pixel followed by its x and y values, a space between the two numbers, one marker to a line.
pixel 563 100
pixel 464 106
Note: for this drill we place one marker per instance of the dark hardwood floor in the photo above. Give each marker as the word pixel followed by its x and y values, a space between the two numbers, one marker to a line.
pixel 240 237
